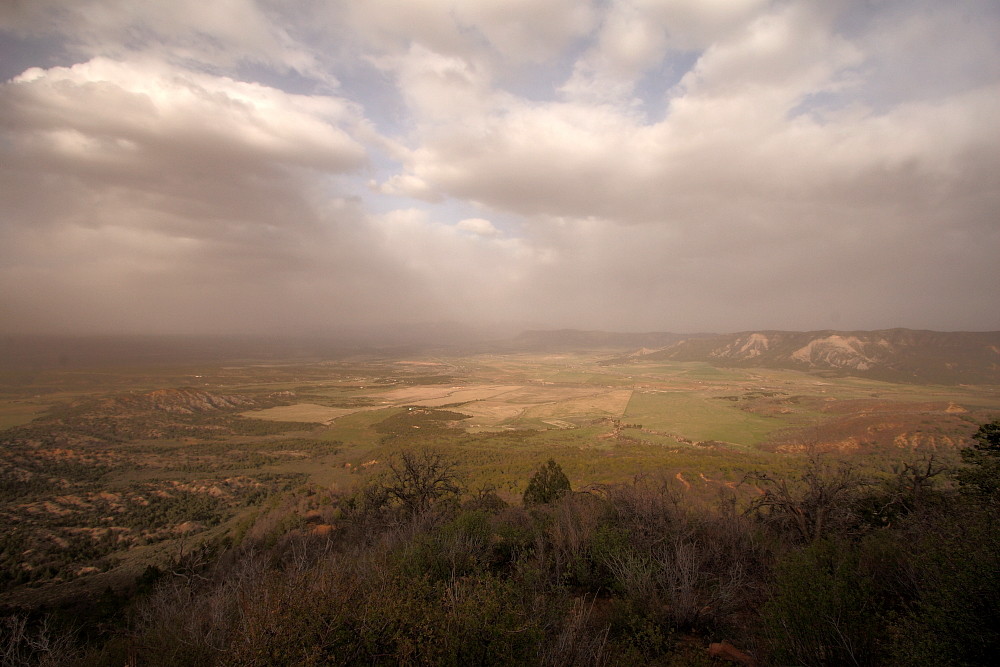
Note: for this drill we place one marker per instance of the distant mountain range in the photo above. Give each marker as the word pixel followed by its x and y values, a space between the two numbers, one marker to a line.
pixel 892 354
pixel 562 340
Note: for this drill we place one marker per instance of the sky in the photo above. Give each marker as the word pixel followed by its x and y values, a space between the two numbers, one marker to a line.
pixel 311 166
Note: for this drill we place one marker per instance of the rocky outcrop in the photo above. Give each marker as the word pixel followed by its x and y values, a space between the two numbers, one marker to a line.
pixel 837 351
pixel 750 347
pixel 892 354
pixel 183 401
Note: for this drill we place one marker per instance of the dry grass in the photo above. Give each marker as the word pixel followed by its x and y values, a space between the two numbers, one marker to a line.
pixel 602 404
pixel 436 396
pixel 489 414
pixel 493 406
pixel 300 412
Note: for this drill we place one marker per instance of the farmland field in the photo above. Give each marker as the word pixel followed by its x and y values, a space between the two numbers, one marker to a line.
pixel 299 412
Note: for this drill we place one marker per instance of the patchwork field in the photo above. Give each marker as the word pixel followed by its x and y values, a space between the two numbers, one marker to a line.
pixel 437 396
pixel 582 407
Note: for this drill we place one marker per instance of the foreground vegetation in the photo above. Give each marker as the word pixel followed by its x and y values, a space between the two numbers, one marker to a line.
pixel 828 568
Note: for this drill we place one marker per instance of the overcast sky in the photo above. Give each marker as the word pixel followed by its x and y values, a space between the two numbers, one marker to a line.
pixel 278 166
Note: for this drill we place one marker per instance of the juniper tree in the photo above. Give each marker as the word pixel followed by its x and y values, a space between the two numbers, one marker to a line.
pixel 983 475
pixel 546 485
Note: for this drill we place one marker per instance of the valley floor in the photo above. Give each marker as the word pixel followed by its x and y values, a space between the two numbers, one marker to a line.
pixel 108 475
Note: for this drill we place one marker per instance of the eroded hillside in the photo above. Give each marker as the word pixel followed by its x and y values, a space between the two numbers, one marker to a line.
pixel 899 355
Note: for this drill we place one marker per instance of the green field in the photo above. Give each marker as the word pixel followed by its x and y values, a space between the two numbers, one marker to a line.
pixel 698 417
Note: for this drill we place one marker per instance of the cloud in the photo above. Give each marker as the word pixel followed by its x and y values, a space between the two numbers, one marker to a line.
pixel 925 50
pixel 636 36
pixel 500 31
pixel 478 226
pixel 525 30
pixel 221 34
pixel 204 118
pixel 480 276
pixel 200 203
pixel 760 157
pixel 629 164
pixel 733 145
pixel 442 89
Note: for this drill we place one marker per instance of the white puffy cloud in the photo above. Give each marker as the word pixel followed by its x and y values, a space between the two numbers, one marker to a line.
pixel 478 226
pixel 733 134
pixel 440 88
pixel 162 112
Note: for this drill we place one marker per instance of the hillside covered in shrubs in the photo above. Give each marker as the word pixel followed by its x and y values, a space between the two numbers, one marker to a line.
pixel 829 567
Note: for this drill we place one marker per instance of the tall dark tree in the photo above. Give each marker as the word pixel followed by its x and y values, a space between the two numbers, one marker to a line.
pixel 983 474
pixel 547 484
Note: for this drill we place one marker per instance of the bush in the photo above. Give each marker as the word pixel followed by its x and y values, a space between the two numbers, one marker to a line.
pixel 955 585
pixel 459 548
pixel 23 642
pixel 822 611
pixel 982 477
pixel 548 484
